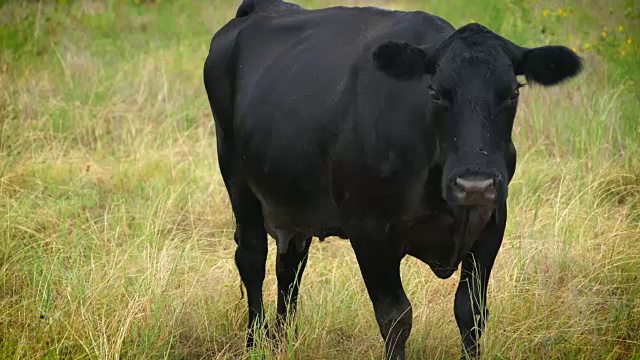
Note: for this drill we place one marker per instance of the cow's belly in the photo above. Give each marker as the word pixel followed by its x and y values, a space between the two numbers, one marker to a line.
pixel 293 223
pixel 284 157
pixel 295 196
pixel 317 219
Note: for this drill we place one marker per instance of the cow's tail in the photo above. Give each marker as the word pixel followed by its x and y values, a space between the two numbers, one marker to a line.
pixel 249 7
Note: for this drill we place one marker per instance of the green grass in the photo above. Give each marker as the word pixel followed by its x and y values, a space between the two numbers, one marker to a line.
pixel 116 231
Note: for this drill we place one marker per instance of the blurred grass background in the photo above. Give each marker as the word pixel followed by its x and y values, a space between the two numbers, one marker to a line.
pixel 116 232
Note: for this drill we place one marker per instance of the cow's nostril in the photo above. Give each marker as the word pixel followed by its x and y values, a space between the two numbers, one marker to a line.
pixel 475 184
pixel 474 188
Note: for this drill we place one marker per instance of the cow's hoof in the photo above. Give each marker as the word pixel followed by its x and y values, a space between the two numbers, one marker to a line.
pixel 468 356
pixel 250 342
pixel 284 332
pixel 257 336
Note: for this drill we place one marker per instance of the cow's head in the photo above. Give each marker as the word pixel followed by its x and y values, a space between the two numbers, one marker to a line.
pixel 473 99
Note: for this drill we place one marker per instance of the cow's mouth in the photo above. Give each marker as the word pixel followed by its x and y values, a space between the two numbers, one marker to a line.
pixel 469 223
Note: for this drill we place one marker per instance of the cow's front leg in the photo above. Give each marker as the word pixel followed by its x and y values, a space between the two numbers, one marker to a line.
pixel 379 263
pixel 470 306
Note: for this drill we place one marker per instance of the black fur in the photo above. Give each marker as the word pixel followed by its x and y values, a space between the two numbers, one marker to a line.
pixel 549 65
pixel 401 60
pixel 313 141
pixel 246 8
pixel 272 7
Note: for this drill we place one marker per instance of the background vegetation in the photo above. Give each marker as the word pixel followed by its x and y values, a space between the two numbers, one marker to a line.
pixel 116 232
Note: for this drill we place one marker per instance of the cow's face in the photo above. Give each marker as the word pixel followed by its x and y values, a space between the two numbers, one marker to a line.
pixel 473 100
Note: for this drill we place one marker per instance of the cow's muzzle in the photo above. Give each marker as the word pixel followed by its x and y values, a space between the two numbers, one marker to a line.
pixel 474 188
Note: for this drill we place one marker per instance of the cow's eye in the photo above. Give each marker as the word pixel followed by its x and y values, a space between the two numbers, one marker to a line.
pixel 434 94
pixel 515 95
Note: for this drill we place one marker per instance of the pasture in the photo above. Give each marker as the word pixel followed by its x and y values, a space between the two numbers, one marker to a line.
pixel 116 233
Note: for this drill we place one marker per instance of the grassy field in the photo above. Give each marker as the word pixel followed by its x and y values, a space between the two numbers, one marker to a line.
pixel 116 232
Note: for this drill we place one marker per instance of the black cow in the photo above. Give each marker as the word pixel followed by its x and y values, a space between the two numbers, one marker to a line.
pixel 391 129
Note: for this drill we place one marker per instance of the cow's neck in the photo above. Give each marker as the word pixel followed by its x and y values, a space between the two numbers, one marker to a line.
pixel 444 237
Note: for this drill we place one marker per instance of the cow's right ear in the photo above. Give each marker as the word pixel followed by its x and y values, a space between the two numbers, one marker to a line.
pixel 401 61
pixel 548 65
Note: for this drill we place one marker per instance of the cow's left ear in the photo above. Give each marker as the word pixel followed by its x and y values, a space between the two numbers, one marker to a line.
pixel 401 61
pixel 548 65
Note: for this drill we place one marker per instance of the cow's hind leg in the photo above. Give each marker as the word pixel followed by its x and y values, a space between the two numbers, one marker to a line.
pixel 251 255
pixel 290 266
pixel 250 234
pixel 470 306
pixel 379 263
